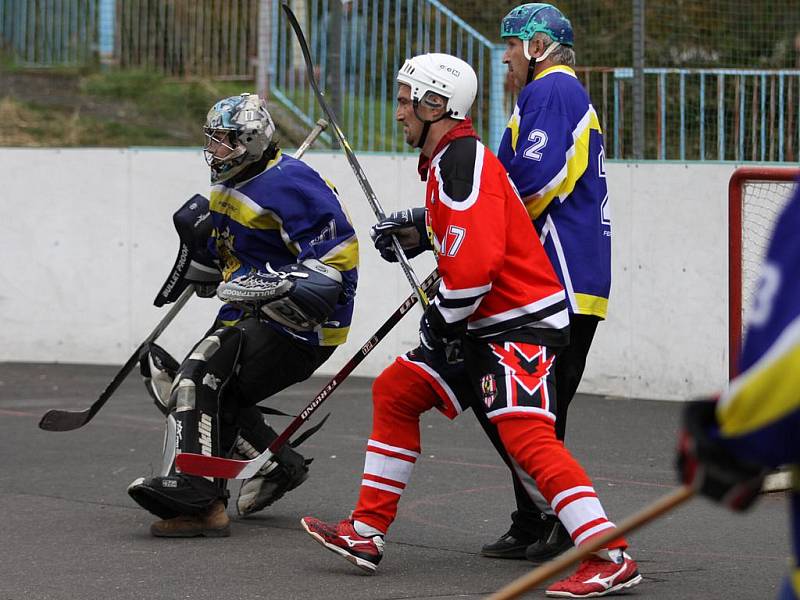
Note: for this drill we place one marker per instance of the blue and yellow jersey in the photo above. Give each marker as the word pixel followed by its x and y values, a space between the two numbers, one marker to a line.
pixel 759 413
pixel 761 407
pixel 286 214
pixel 553 150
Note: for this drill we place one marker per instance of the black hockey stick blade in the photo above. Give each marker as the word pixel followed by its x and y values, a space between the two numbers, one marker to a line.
pixel 67 420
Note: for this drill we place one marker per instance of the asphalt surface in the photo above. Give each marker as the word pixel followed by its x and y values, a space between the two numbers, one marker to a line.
pixel 69 530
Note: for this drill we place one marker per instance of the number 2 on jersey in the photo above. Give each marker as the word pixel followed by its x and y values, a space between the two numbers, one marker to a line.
pixel 539 139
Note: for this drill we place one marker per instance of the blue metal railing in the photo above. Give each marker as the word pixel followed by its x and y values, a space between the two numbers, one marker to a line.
pixel 376 36
pixel 704 114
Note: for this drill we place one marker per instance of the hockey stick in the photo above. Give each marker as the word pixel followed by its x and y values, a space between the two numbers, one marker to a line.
pixel 228 468
pixel 541 574
pixel 67 420
pixel 411 276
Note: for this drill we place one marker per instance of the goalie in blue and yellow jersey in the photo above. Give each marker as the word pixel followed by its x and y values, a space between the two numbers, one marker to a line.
pixel 553 151
pixel 279 242
pixel 727 444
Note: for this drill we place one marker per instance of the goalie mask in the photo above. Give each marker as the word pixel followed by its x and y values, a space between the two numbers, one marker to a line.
pixel 238 131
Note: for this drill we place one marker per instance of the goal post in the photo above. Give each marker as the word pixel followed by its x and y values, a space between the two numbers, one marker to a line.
pixel 756 196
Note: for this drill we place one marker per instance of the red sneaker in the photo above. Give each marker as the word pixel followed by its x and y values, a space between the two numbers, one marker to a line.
pixel 341 537
pixel 597 577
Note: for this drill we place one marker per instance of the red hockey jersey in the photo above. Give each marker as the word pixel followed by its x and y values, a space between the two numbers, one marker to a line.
pixel 496 277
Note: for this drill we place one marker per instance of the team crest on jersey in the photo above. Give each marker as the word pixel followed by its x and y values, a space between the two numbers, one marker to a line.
pixel 489 389
pixel 225 248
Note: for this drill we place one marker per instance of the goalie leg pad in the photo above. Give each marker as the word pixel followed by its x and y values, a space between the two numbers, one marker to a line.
pixel 193 426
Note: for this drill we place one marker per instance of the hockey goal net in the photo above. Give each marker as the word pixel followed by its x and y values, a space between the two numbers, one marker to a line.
pixel 756 196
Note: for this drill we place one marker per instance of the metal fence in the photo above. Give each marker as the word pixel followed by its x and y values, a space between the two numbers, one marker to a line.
pixel 701 114
pixel 46 33
pixel 692 104
pixel 375 36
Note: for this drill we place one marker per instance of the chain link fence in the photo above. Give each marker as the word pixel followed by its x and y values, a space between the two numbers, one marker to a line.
pixel 683 80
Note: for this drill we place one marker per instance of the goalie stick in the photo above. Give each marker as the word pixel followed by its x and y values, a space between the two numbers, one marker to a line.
pixel 228 468
pixel 411 276
pixel 67 420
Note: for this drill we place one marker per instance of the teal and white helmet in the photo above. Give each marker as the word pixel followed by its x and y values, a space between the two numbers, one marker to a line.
pixel 527 20
pixel 249 128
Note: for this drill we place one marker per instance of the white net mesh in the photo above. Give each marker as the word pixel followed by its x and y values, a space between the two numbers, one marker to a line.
pixel 762 202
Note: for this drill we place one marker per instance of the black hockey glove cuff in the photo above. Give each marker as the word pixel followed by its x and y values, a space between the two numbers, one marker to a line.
pixel 706 465
pixel 409 227
pixel 440 341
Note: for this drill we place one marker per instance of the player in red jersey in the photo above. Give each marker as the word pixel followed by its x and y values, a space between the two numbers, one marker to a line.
pixel 487 341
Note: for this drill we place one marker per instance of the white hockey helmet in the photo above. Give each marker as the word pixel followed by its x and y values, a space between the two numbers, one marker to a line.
pixel 247 128
pixel 444 75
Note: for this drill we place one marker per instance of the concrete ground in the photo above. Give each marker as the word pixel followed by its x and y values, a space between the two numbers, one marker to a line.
pixel 70 531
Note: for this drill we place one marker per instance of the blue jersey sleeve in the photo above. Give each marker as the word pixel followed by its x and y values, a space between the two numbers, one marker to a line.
pixel 760 412
pixel 316 225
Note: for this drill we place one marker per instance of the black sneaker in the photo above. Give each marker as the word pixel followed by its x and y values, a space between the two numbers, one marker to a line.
pixel 554 541
pixel 508 546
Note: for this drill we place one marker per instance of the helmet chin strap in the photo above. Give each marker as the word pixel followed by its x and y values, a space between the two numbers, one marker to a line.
pixel 426 124
pixel 532 61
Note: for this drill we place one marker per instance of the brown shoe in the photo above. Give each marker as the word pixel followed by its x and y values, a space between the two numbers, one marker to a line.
pixel 214 522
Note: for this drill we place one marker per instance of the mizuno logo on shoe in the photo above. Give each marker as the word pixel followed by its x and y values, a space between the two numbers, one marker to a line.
pixel 353 543
pixel 605 582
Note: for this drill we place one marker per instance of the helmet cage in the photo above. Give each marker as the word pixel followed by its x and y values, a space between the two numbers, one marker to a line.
pixel 248 130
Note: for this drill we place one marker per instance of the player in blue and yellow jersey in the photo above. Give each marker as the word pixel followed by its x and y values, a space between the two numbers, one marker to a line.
pixel 553 151
pixel 725 445
pixel 287 260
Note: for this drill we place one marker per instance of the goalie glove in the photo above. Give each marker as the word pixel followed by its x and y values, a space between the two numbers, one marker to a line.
pixel 409 227
pixel 299 296
pixel 704 463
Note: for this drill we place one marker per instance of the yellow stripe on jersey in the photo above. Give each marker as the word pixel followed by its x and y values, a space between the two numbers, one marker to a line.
pixel 576 161
pixel 245 212
pixel 767 391
pixel 513 125
pixel 333 336
pixel 591 305
pixel 796 581
pixel 344 256
pixel 557 69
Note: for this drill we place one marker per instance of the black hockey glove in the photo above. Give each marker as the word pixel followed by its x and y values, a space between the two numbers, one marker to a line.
pixel 409 227
pixel 706 465
pixel 439 342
